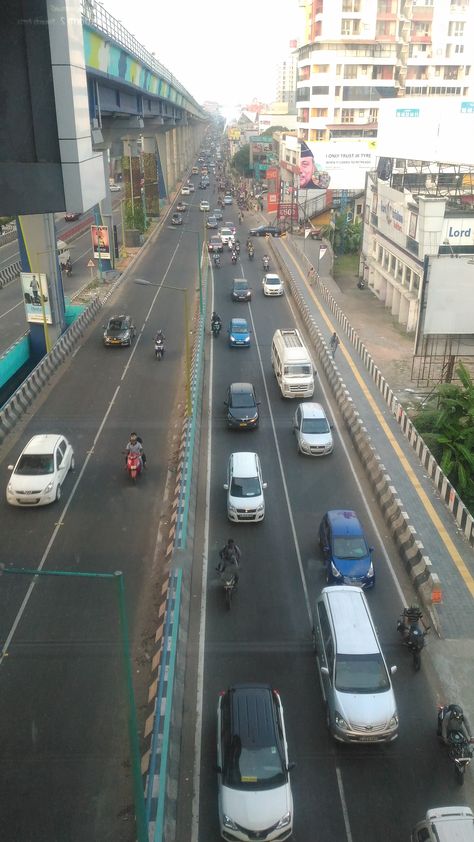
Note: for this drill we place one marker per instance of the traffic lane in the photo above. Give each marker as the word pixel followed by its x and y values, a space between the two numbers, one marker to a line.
pixel 306 478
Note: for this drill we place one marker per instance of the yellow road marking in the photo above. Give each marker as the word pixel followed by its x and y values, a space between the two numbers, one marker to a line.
pixel 424 499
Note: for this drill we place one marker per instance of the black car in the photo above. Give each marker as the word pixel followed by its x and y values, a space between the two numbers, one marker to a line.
pixel 119 330
pixel 241 290
pixel 242 407
pixel 215 244
pixel 267 230
pixel 176 219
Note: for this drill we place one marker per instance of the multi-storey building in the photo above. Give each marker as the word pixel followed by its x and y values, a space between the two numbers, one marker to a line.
pixel 355 53
pixel 286 82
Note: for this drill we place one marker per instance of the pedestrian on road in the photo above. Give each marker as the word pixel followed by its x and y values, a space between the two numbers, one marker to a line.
pixel 333 343
pixel 311 274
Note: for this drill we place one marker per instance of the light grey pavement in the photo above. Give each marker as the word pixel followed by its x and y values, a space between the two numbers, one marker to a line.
pixel 391 349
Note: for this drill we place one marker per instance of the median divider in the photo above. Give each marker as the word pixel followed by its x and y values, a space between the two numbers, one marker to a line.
pixel 411 550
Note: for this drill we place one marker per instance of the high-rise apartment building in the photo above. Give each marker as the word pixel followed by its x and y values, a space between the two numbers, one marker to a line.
pixel 286 82
pixel 355 53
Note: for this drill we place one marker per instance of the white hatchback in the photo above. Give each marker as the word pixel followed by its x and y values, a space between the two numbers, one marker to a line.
pixel 40 471
pixel 245 486
pixel 272 284
pixel 204 205
pixel 312 430
pixel 226 235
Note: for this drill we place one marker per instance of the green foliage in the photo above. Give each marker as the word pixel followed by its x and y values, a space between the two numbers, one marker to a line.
pixel 345 237
pixel 447 426
pixel 241 161
pixel 268 132
pixel 134 216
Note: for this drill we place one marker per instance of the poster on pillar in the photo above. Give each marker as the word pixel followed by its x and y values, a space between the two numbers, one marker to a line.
pixel 36 297
pixel 100 241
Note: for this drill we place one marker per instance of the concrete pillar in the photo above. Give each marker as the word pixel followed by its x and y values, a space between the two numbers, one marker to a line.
pixel 163 172
pixel 150 173
pixel 39 260
pixel 132 186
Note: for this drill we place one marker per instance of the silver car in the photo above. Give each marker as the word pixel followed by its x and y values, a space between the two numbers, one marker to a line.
pixel 312 430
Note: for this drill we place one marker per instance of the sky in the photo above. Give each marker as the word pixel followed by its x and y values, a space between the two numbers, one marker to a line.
pixel 220 51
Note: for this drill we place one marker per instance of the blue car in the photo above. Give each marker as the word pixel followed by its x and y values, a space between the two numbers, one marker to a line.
pixel 239 334
pixel 346 554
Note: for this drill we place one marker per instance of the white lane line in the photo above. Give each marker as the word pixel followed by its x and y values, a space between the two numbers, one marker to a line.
pixel 90 452
pixel 282 472
pixel 202 622
pixel 2 315
pixel 345 812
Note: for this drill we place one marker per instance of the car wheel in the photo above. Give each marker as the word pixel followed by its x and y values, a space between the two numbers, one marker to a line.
pixel 328 718
pixel 58 494
pixel 73 463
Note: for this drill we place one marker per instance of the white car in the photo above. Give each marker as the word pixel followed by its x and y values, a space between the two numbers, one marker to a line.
pixel 228 199
pixel 40 471
pixel 254 790
pixel 115 188
pixel 272 284
pixel 245 486
pixel 204 205
pixel 185 191
pixel 312 430
pixel 226 236
pixel 191 187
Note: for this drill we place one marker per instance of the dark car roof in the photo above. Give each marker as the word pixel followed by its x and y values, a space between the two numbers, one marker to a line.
pixel 344 522
pixel 241 388
pixel 252 716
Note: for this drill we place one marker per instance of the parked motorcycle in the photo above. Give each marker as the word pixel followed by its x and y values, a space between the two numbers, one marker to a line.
pixel 413 636
pixel 134 466
pixel 216 329
pixel 458 743
pixel 159 348
pixel 361 283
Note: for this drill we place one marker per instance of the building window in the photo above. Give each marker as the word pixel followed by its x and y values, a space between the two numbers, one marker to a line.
pixel 347 115
pixel 386 260
pixel 349 6
pixel 373 114
pixel 380 255
pixel 400 272
pixel 350 27
pixel 415 282
pixel 393 265
pixel 350 71
pixel 320 68
pixel 320 90
pixel 456 29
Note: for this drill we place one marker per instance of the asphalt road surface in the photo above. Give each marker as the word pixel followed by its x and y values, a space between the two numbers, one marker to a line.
pixel 65 772
pixel 344 793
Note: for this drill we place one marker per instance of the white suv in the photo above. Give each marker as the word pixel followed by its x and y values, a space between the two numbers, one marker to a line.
pixel 272 284
pixel 244 486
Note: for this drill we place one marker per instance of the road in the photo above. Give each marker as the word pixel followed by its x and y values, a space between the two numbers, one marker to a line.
pixel 12 313
pixel 343 793
pixel 63 730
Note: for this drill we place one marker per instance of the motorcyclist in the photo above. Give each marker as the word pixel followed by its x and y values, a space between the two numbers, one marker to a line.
pixel 216 258
pixel 266 261
pixel 453 721
pixel 215 320
pixel 237 246
pixel 248 244
pixel 135 446
pixel 68 266
pixel 230 556
pixel 160 337
pixel 233 256
pixel 411 616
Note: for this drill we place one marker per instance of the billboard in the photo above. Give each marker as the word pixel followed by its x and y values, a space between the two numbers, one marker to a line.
pixel 449 296
pixel 100 241
pixel 38 309
pixel 340 165
pixel 427 129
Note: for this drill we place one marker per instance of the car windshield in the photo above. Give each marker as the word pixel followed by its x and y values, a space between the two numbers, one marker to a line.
pixel 245 487
pixel 348 546
pixel 274 281
pixel 315 426
pixel 361 674
pixel 117 324
pixel 242 401
pixel 298 370
pixel 240 285
pixel 253 768
pixel 239 329
pixel 225 232
pixel 35 464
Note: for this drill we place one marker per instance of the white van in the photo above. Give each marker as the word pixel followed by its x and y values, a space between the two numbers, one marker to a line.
pixel 356 682
pixel 445 824
pixel 292 364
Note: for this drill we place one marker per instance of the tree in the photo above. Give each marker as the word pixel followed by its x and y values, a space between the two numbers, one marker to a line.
pixel 241 161
pixel 446 423
pixel 345 237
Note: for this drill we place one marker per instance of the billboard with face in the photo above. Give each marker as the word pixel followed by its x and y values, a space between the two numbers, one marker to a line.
pixel 338 165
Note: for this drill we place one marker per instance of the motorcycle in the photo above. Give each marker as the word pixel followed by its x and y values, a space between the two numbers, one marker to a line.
pixel 159 348
pixel 134 466
pixel 237 246
pixel 216 329
pixel 266 264
pixel 459 747
pixel 251 252
pixel 234 259
pixel 412 633
pixel 67 268
pixel 361 284
pixel 229 583
pixel 216 261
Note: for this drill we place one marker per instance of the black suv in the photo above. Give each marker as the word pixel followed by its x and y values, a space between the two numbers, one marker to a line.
pixel 242 407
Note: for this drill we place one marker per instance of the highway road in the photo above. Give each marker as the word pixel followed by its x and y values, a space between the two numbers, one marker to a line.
pixel 344 793
pixel 63 734
pixel 12 312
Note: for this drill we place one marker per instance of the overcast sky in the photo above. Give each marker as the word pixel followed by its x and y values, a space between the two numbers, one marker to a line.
pixel 220 51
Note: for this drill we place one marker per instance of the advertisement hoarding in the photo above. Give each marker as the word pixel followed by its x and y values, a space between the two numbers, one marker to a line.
pixel 449 298
pixel 340 165
pixel 100 241
pixel 37 309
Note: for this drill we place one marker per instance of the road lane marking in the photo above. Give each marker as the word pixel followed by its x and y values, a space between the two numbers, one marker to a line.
pixel 345 812
pixel 422 495
pixel 2 315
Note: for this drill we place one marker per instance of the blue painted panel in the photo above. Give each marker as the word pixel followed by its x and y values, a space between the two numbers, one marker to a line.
pixel 13 359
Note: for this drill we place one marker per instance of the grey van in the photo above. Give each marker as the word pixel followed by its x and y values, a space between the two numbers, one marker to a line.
pixel 356 683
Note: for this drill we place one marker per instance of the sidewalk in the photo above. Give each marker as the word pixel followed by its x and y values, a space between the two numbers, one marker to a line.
pixel 391 349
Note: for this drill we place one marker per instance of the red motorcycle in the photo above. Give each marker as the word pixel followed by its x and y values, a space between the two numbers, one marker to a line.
pixel 134 465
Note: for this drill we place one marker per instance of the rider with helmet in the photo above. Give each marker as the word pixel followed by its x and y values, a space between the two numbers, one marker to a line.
pixel 453 721
pixel 230 556
pixel 135 446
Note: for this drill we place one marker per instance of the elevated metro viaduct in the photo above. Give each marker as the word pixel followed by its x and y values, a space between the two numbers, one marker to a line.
pixel 79 90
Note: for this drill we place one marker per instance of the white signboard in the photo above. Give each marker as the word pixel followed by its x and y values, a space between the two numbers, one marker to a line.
pixel 427 129
pixel 345 162
pixel 459 232
pixel 450 296
pixel 37 308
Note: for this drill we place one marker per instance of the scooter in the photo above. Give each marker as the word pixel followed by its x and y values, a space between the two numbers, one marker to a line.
pixel 459 748
pixel 234 259
pixel 134 466
pixel 251 254
pixel 413 635
pixel 159 348
pixel 216 329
